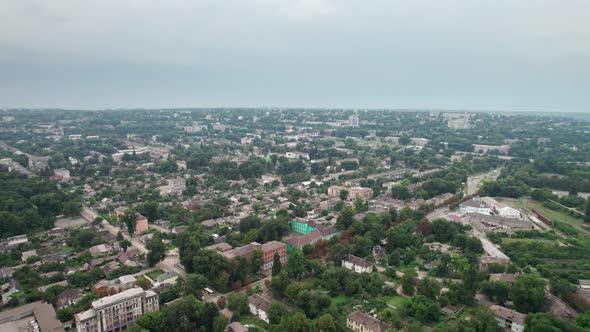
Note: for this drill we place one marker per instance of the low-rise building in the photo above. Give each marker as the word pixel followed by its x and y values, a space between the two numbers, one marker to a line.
pixel 36 316
pixel 141 224
pixel 509 319
pixel 359 321
pixel 357 264
pixel 259 306
pixel 474 205
pixel 297 155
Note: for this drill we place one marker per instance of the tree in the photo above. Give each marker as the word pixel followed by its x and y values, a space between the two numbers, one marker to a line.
pixel 221 303
pixel 238 303
pixel 424 227
pixel 294 323
pixel 496 291
pixel 429 288
pixel 279 283
pixel 195 283
pixel 343 194
pixel 296 264
pixel 587 212
pixel 325 323
pixel 276 264
pixel 276 312
pixel 528 293
pixel 345 218
pixel 157 250
pixel 408 284
pixel 422 308
pixel 129 220
pixel 545 322
pixel 256 260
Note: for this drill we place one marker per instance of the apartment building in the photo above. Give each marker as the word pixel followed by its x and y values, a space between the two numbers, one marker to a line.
pixel 116 312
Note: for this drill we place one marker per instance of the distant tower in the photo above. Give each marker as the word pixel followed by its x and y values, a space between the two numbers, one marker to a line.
pixel 353 121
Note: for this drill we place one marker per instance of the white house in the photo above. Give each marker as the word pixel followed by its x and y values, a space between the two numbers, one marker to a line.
pixel 509 319
pixel 357 264
pixel 474 205
pixel 259 306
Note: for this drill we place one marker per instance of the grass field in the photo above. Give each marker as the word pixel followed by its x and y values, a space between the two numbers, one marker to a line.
pixel 396 301
pixel 154 274
pixel 253 322
pixel 340 299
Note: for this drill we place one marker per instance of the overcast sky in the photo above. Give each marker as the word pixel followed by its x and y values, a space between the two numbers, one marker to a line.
pixel 531 55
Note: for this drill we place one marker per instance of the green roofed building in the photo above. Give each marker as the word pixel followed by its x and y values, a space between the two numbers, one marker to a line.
pixel 302 226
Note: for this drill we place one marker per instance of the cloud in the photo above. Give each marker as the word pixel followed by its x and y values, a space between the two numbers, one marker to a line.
pixel 446 53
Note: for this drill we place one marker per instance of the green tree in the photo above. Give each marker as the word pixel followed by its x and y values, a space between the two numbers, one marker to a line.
pixel 429 288
pixel 497 291
pixel 276 312
pixel 276 264
pixel 407 281
pixel 343 194
pixel 279 283
pixel 238 303
pixel 157 250
pixel 256 261
pixel 345 218
pixel 325 323
pixel 296 264
pixel 528 293
pixel 195 283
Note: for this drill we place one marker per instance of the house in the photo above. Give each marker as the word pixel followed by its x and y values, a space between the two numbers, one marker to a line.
pixel 259 306
pixel 236 327
pixel 359 321
pixel 357 264
pixel 169 278
pixel 302 240
pixel 127 281
pixel 474 205
pixel 486 261
pixel 100 249
pixel 509 319
pixel 69 297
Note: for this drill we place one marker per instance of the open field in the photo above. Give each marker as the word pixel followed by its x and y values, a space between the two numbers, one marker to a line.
pixel 529 204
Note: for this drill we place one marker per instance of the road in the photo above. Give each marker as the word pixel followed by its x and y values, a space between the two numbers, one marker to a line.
pixel 474 181
pixel 170 262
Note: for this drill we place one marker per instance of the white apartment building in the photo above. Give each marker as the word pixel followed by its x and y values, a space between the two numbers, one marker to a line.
pixel 116 312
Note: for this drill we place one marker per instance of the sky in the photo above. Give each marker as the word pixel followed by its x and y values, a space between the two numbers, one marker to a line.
pixel 526 55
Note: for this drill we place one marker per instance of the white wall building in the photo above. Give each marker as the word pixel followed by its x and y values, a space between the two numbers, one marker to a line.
pixel 357 264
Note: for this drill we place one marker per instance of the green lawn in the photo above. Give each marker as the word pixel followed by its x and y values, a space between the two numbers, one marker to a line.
pixel 340 299
pixel 396 301
pixel 154 274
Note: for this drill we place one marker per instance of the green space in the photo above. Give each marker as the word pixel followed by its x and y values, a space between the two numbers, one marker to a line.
pixel 397 301
pixel 154 274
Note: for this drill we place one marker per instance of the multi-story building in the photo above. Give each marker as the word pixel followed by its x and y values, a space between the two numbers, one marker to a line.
pixel 359 321
pixel 116 312
pixel 268 251
pixel 353 121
